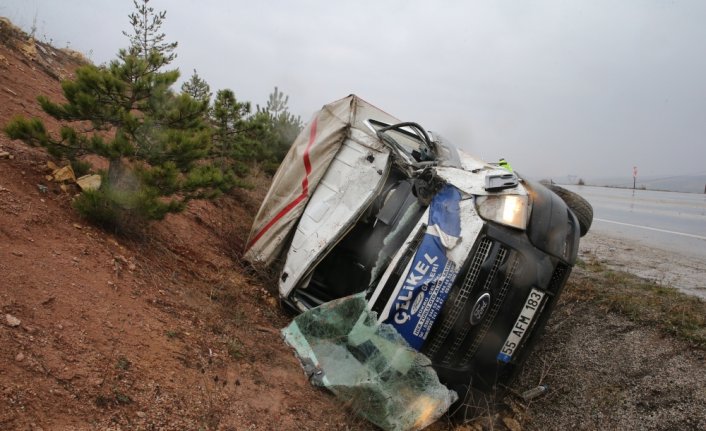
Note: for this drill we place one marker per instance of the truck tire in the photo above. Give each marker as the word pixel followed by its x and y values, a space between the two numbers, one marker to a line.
pixel 578 205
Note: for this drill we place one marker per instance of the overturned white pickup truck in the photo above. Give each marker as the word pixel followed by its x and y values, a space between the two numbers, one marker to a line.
pixel 463 258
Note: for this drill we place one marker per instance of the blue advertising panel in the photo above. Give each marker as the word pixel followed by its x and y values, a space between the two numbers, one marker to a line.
pixel 431 275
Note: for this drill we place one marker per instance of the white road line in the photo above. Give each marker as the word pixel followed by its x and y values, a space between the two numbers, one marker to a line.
pixel 652 228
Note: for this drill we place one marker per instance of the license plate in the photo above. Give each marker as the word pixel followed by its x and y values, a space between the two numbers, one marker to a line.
pixel 532 304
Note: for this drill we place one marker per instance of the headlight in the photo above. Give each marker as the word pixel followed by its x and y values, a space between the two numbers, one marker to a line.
pixel 509 210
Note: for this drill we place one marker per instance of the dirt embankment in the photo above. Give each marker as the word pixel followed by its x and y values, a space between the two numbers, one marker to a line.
pixel 98 332
pixel 170 333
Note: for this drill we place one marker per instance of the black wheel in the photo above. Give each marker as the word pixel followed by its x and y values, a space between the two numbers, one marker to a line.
pixel 578 205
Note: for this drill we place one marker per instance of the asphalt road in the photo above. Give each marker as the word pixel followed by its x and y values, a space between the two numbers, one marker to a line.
pixel 660 236
pixel 673 222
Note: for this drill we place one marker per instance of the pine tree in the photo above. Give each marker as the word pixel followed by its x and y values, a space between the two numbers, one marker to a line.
pixel 156 141
pixel 277 103
pixel 229 116
pixel 146 38
pixel 283 126
pixel 237 134
pixel 197 88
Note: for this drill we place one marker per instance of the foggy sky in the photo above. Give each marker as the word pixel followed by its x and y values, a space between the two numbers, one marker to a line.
pixel 587 88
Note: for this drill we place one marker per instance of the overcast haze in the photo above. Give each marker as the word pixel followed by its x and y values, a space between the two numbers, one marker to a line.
pixel 586 88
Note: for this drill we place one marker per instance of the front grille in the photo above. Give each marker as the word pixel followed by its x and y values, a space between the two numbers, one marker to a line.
pixel 461 298
pixel 454 340
pixel 490 317
pixel 461 337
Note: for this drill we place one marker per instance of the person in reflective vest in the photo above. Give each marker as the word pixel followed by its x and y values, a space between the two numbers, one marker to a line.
pixel 504 164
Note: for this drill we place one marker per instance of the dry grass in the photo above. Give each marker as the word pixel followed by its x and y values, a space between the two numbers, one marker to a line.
pixel 665 308
pixel 77 56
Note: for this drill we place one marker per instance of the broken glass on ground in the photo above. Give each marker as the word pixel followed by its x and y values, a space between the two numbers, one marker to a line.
pixel 368 365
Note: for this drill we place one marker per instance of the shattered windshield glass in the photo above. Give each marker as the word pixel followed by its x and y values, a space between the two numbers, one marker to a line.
pixel 368 365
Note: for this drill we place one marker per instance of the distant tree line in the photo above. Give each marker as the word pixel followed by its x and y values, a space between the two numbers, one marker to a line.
pixel 164 147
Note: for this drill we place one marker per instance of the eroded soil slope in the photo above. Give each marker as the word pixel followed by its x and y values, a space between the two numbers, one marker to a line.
pixel 163 332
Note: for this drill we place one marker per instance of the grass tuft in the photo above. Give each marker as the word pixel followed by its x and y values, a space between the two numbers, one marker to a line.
pixel 235 348
pixel 666 308
pixel 123 363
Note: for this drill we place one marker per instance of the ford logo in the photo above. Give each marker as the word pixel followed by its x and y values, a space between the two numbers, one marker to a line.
pixel 417 303
pixel 480 308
